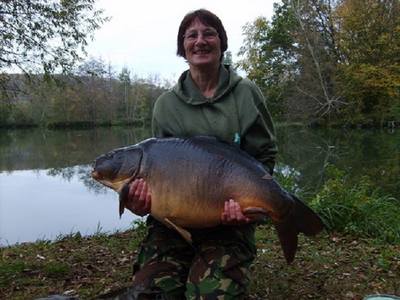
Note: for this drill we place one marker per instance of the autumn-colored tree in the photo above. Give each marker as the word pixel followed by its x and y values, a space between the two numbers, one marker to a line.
pixel 328 60
pixel 369 39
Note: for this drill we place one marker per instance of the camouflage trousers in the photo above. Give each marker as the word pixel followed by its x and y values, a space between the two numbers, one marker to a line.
pixel 216 266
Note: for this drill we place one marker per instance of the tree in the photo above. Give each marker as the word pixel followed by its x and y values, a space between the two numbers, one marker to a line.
pixel 318 57
pixel 328 60
pixel 93 76
pixel 370 42
pixel 128 104
pixel 45 35
pixel 294 58
pixel 269 56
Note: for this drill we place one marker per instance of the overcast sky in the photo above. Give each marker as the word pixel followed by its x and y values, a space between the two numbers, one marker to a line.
pixel 141 35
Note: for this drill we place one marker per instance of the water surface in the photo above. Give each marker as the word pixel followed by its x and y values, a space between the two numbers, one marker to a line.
pixel 45 186
pixel 46 189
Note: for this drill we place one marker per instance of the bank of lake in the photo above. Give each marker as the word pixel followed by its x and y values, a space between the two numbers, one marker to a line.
pixel 330 266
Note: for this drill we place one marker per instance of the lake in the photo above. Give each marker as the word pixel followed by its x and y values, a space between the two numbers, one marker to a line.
pixel 46 190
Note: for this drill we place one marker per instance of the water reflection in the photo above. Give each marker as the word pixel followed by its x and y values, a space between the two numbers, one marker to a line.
pixel 44 149
pixel 35 205
pixel 375 153
pixel 46 188
pixel 45 184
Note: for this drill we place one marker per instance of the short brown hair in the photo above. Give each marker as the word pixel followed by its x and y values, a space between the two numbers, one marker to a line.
pixel 207 18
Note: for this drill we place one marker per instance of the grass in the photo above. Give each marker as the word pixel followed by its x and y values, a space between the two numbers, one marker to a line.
pixel 87 266
pixel 358 208
pixel 330 266
pixel 327 267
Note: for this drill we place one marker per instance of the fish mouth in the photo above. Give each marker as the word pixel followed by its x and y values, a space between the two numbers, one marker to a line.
pixel 116 185
pixel 96 175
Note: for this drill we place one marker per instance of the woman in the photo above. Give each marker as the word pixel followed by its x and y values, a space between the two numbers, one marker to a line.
pixel 209 99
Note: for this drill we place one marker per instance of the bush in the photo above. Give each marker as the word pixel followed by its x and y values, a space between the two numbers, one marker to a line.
pixel 357 208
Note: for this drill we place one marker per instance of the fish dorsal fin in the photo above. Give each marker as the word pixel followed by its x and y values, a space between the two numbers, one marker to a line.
pixel 267 176
pixel 183 232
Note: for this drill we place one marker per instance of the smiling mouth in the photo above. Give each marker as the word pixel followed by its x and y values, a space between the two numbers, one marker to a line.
pixel 200 52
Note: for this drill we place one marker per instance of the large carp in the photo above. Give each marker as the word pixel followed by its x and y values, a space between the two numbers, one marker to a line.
pixel 190 179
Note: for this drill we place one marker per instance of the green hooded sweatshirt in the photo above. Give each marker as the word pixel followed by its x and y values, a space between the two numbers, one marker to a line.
pixel 235 114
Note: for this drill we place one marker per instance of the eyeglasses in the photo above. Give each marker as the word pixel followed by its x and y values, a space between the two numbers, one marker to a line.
pixel 208 35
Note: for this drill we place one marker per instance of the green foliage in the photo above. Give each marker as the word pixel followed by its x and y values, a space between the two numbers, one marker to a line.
pixel 374 90
pixel 292 59
pixel 140 229
pixel 349 204
pixel 369 31
pixel 370 43
pixel 327 61
pixel 42 35
pixel 56 270
pixel 357 208
pixel 267 56
pixel 10 270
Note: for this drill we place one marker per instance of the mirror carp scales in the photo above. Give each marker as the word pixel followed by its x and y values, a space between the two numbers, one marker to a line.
pixel 190 179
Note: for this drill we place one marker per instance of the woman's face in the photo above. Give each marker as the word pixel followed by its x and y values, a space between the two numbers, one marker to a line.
pixel 202 45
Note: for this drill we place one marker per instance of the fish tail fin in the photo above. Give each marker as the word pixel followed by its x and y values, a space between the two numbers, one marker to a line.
pixel 301 219
pixel 287 234
pixel 306 220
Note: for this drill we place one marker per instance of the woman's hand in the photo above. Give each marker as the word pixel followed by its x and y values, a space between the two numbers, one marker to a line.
pixel 139 198
pixel 232 214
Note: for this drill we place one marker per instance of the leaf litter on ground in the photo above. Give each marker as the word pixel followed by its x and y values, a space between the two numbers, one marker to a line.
pixel 330 266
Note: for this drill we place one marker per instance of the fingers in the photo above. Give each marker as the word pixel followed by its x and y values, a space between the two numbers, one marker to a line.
pixel 145 197
pixel 232 214
pixel 224 214
pixel 147 207
pixel 132 188
pixel 139 197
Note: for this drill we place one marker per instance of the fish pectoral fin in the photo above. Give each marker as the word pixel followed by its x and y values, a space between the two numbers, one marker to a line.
pixel 123 196
pixel 256 213
pixel 183 232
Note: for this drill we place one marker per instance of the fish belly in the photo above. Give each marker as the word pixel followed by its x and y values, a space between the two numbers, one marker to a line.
pixel 186 210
